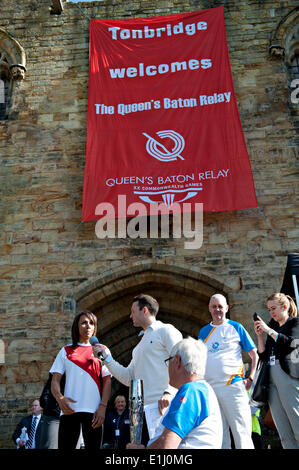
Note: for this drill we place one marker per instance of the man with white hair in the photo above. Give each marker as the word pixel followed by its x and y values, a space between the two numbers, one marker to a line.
pixel 225 339
pixel 194 419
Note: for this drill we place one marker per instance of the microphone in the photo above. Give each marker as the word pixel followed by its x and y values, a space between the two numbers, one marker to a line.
pixel 93 341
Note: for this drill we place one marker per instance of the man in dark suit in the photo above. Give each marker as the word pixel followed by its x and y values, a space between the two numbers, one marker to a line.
pixel 33 424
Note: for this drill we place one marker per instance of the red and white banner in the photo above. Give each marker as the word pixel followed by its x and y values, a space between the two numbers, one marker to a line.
pixel 162 122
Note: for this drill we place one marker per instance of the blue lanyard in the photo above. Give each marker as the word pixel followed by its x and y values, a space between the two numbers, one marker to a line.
pixel 118 420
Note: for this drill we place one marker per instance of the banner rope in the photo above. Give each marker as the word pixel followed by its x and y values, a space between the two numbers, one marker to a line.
pixel 28 281
pixel 82 11
pixel 273 230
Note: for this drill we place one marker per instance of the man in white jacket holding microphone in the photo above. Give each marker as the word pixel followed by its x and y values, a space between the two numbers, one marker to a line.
pixel 149 355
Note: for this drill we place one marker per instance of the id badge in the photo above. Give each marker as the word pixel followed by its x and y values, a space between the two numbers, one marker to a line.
pixel 117 432
pixel 272 361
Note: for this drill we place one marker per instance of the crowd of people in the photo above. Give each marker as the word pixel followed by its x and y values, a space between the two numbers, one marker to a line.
pixel 198 386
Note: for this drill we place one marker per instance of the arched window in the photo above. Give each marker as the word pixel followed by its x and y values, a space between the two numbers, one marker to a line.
pixel 293 67
pixel 292 52
pixel 5 83
pixel 284 45
pixel 12 70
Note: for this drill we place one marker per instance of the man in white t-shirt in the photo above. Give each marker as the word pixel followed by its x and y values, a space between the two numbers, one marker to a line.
pixel 225 340
pixel 193 420
pixel 148 356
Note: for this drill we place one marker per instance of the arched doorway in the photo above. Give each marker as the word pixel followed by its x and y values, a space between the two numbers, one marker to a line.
pixel 183 295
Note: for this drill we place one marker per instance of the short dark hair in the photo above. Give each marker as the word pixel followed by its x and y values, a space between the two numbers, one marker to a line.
pixel 148 301
pixel 75 325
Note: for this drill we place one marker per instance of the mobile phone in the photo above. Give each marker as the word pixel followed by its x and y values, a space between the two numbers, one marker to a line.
pixel 255 318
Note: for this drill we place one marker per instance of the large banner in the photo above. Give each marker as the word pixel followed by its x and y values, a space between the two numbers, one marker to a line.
pixel 162 122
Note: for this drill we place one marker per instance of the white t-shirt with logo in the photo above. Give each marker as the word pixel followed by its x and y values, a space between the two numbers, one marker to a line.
pixel 225 343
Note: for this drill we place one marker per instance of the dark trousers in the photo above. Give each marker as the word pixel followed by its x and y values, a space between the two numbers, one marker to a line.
pixel 69 431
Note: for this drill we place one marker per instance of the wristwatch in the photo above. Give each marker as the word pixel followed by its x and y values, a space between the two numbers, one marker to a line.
pixel 271 332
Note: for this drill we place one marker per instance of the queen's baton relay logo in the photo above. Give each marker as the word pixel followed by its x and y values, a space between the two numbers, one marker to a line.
pixel 158 150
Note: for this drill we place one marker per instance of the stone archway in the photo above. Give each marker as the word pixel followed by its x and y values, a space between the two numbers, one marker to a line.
pixel 182 292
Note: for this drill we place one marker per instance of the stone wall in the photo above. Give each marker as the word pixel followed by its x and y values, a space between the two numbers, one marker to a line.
pixel 50 263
